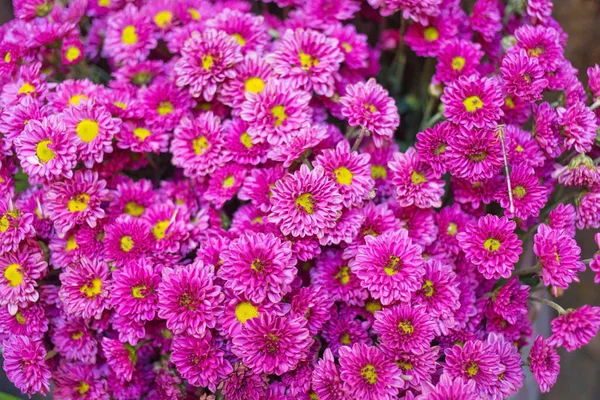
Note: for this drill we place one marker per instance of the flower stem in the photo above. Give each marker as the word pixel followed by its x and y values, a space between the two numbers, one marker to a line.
pixel 527 271
pixel 550 303
pixel 359 139
pixel 595 105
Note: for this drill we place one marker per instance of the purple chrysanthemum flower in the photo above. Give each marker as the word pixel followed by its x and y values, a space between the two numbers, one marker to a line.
pixel 84 289
pixel 200 360
pixel 588 210
pixel 121 357
pixel 334 277
pixel 475 361
pixel 133 290
pixel 20 269
pixel 76 201
pixel 259 266
pixel 353 45
pixel 540 9
pixel 404 328
pixel 593 74
pixel 420 367
pixel 578 125
pixel 351 172
pixel 456 58
pixel 326 382
pixel 486 18
pixel 224 183
pixel 511 379
pixel 251 76
pixel 345 230
pixel 275 112
pixel 14 118
pixel 425 40
pixel 164 104
pixel 543 43
pixel 168 225
pixel 79 381
pixel 415 181
pixel 129 35
pixel 563 218
pixel 188 299
pixel 473 101
pixel 207 59
pixel 368 374
pixel 308 59
pixel 314 304
pixel 29 321
pixel 15 225
pixel 239 144
pixel 74 340
pixel 575 328
pixel 45 150
pixel 390 266
pixel 558 256
pixel 528 195
pixel 273 345
pixel 369 106
pixel 259 184
pixel 127 239
pixel 297 144
pixel 305 203
pixel 432 145
pixel 450 388
pixel 521 148
pixel 474 154
pixel 492 245
pixel 544 363
pixel 243 383
pixel 249 30
pixel 510 301
pixel 547 130
pixel 344 331
pixel 523 76
pixel 25 365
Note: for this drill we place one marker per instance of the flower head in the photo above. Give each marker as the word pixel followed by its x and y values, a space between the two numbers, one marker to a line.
pixel 24 364
pixel 84 289
pixel 129 35
pixel 134 290
pixel 575 328
pixel 544 363
pixel 475 361
pixel 404 328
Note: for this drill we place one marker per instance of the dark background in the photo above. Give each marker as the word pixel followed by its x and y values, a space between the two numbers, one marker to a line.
pixel 580 370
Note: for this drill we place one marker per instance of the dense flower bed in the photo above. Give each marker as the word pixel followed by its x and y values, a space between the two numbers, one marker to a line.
pixel 216 200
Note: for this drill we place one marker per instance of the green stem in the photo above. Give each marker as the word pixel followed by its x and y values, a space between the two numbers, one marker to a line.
pixel 527 271
pixel 359 139
pixel 400 58
pixel 427 114
pixel 547 302
pixel 595 105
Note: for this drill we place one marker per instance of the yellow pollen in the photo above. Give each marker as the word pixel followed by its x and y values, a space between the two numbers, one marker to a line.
pixel 254 85
pixel 165 108
pixel 472 103
pixel 378 172
pixel 535 52
pixel 159 229
pixel 5 223
pixel 228 182
pixel 13 275
pixel 307 61
pixel 509 102
pixel 305 201
pixel 427 288
pixel 369 374
pixel 343 275
pixel 345 339
pixel 42 151
pixel 472 369
pixel 492 244
pixel 71 243
pixel 257 220
pixel 373 306
pixel 94 290
pixel 417 178
pixel 141 133
pixel 405 365
pixel 458 63
pixel 207 62
pixel 76 335
pixel 87 130
pixel 78 203
pixel 371 107
pixel 82 387
pixel 7 57
pixel 257 265
pixel 347 47
pixel 138 291
pixel 200 144
pixel 194 14
pixel 431 34
pixel 279 113
pixel 26 88
pixel 163 18
pixel 241 41
pixel 393 265
pixel 478 157
pixel 245 311
pixel 439 150
pixel 343 176
pixel 20 318
pixel 76 99
pixel 72 53
pixel 519 192
pixel 406 327
pixel 104 3
pixel 129 36
pixel 313 396
pixel 120 104
pixel 127 243
pixel 246 140
pixel 452 229
pixel 519 148
pixel 134 209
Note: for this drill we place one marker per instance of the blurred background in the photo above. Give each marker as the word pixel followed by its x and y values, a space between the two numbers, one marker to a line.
pixel 580 370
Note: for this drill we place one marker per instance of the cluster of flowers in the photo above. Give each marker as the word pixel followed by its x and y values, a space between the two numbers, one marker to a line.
pixel 202 199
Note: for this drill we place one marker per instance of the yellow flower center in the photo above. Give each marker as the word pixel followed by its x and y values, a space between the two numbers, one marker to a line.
pixel 440 149
pixel 519 192
pixel 93 290
pixel 343 176
pixel 452 229
pixel 241 41
pixel 427 288
pixel 13 275
pixel 431 34
pixel 76 335
pixel 120 105
pixel 535 52
pixel 405 365
pixel 228 182
pixel 20 318
pixel 478 157
pixel 159 229
pixel 163 18
pixel 472 369
pixel 347 47
pixel 7 57
pixel 257 265
pixel 82 387
pixel 87 130
pixel 42 151
pixel 141 133
pixel 5 222
pixel 71 243
pixel 104 3
pixel 370 107
pixel 307 61
pixel 254 85
pixel 129 36
pixel 279 113
pixel 509 102
pixel 76 99
pixel 519 148
pixel 246 140
pixel 458 63
pixel 138 291
pixel 72 53
pixel 207 62
pixel 343 275
pixel 305 201
pixel 134 209
pixel 345 339
pixel 492 244
pixel 200 144
pixel 78 203
pixel 472 103
pixel 369 374
pixel 373 306
pixel 194 14
pixel 127 243
pixel 165 108
pixel 406 327
pixel 26 88
pixel 245 311
pixel 378 172
pixel 393 265
pixel 417 178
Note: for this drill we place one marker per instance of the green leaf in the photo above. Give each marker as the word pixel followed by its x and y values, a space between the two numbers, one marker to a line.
pixel 6 396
